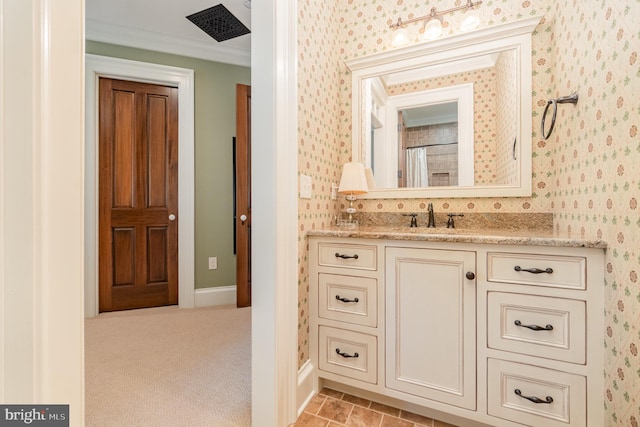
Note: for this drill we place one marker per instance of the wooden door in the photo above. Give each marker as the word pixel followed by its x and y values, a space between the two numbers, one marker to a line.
pixel 243 195
pixel 138 195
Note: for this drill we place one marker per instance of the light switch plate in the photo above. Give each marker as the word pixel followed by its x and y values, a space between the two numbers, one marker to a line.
pixel 305 187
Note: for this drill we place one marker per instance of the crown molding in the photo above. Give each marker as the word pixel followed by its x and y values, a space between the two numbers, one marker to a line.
pixel 130 37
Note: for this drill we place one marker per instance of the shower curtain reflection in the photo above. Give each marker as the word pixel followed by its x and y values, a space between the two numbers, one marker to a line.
pixel 416 167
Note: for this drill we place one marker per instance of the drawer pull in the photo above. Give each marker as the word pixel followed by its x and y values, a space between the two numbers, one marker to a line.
pixel 343 299
pixel 346 355
pixel 534 399
pixel 534 327
pixel 533 270
pixel 343 256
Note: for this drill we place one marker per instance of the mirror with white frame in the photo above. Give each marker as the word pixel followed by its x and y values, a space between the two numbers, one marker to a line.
pixel 447 118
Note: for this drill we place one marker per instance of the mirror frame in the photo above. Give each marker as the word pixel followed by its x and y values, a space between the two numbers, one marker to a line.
pixel 514 35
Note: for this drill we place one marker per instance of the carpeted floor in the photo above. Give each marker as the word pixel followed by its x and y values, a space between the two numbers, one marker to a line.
pixel 169 367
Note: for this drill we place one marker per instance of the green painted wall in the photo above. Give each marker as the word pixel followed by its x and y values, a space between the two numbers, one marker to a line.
pixel 215 110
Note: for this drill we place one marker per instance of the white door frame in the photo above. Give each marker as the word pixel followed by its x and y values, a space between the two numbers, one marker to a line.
pixel 104 66
pixel 274 177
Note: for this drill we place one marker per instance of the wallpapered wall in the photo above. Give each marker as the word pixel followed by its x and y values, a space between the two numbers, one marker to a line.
pixel 585 174
pixel 594 155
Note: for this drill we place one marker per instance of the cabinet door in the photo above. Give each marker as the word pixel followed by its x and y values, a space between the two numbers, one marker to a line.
pixel 430 324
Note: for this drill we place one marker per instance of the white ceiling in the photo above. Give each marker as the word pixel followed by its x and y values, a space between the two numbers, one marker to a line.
pixel 161 25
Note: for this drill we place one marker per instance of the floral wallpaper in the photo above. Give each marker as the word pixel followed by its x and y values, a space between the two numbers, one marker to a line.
pixel 320 148
pixel 594 152
pixel 585 173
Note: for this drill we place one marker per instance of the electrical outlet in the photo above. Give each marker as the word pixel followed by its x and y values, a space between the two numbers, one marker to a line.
pixel 213 263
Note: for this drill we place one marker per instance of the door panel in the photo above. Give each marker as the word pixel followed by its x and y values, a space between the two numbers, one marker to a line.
pixel 426 289
pixel 138 242
pixel 243 195
pixel 157 254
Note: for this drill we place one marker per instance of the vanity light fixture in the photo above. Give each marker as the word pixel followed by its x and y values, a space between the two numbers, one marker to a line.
pixel 352 182
pixel 432 27
pixel 433 23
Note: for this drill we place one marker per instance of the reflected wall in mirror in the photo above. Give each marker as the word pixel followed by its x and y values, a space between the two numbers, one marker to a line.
pixel 449 118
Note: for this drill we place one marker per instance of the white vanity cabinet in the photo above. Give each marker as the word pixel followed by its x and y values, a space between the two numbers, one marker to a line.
pixel 459 328
pixel 344 309
pixel 431 324
pixel 543 308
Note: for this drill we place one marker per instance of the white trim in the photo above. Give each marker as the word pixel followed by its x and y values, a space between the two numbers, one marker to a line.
pixel 131 37
pixel 42 194
pixel 97 66
pixel 220 295
pixel 3 323
pixel 437 70
pixel 274 180
pixel 306 385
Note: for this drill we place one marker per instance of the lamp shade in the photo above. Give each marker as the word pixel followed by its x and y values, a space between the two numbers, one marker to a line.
pixel 353 179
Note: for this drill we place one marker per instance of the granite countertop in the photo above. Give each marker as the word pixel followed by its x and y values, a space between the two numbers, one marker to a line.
pixel 461 235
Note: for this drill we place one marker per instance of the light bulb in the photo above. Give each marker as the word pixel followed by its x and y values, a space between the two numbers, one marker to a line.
pixel 399 37
pixel 470 21
pixel 432 29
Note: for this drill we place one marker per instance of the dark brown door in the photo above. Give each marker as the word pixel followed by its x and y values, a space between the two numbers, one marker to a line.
pixel 243 195
pixel 138 195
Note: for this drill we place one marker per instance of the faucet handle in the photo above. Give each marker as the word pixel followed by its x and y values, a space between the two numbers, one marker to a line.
pixel 450 222
pixel 414 221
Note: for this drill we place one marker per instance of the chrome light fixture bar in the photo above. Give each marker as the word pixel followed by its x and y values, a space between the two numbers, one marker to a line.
pixel 433 23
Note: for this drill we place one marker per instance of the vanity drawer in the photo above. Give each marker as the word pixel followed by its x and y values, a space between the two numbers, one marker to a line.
pixel 347 353
pixel 348 299
pixel 361 257
pixel 543 270
pixel 552 328
pixel 509 384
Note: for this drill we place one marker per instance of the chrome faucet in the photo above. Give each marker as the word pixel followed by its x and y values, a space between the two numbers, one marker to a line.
pixel 432 220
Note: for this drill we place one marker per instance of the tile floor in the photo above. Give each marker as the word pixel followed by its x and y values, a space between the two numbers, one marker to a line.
pixel 331 408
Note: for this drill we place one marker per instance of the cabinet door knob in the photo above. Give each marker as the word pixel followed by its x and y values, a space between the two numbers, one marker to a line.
pixel 470 275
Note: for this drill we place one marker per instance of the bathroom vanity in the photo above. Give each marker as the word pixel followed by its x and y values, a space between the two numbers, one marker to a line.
pixel 490 328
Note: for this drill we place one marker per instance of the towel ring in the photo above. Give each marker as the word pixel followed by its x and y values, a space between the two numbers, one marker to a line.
pixel 572 99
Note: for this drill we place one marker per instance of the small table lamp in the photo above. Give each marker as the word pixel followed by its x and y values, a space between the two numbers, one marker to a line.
pixel 352 182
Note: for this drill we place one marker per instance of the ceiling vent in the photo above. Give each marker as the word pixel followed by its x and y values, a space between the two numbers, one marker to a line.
pixel 219 23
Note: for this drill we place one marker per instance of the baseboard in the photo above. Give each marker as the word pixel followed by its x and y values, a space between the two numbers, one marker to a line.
pixel 306 386
pixel 221 295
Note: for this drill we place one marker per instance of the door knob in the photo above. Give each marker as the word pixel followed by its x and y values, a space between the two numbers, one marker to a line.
pixel 172 217
pixel 470 275
pixel 243 218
